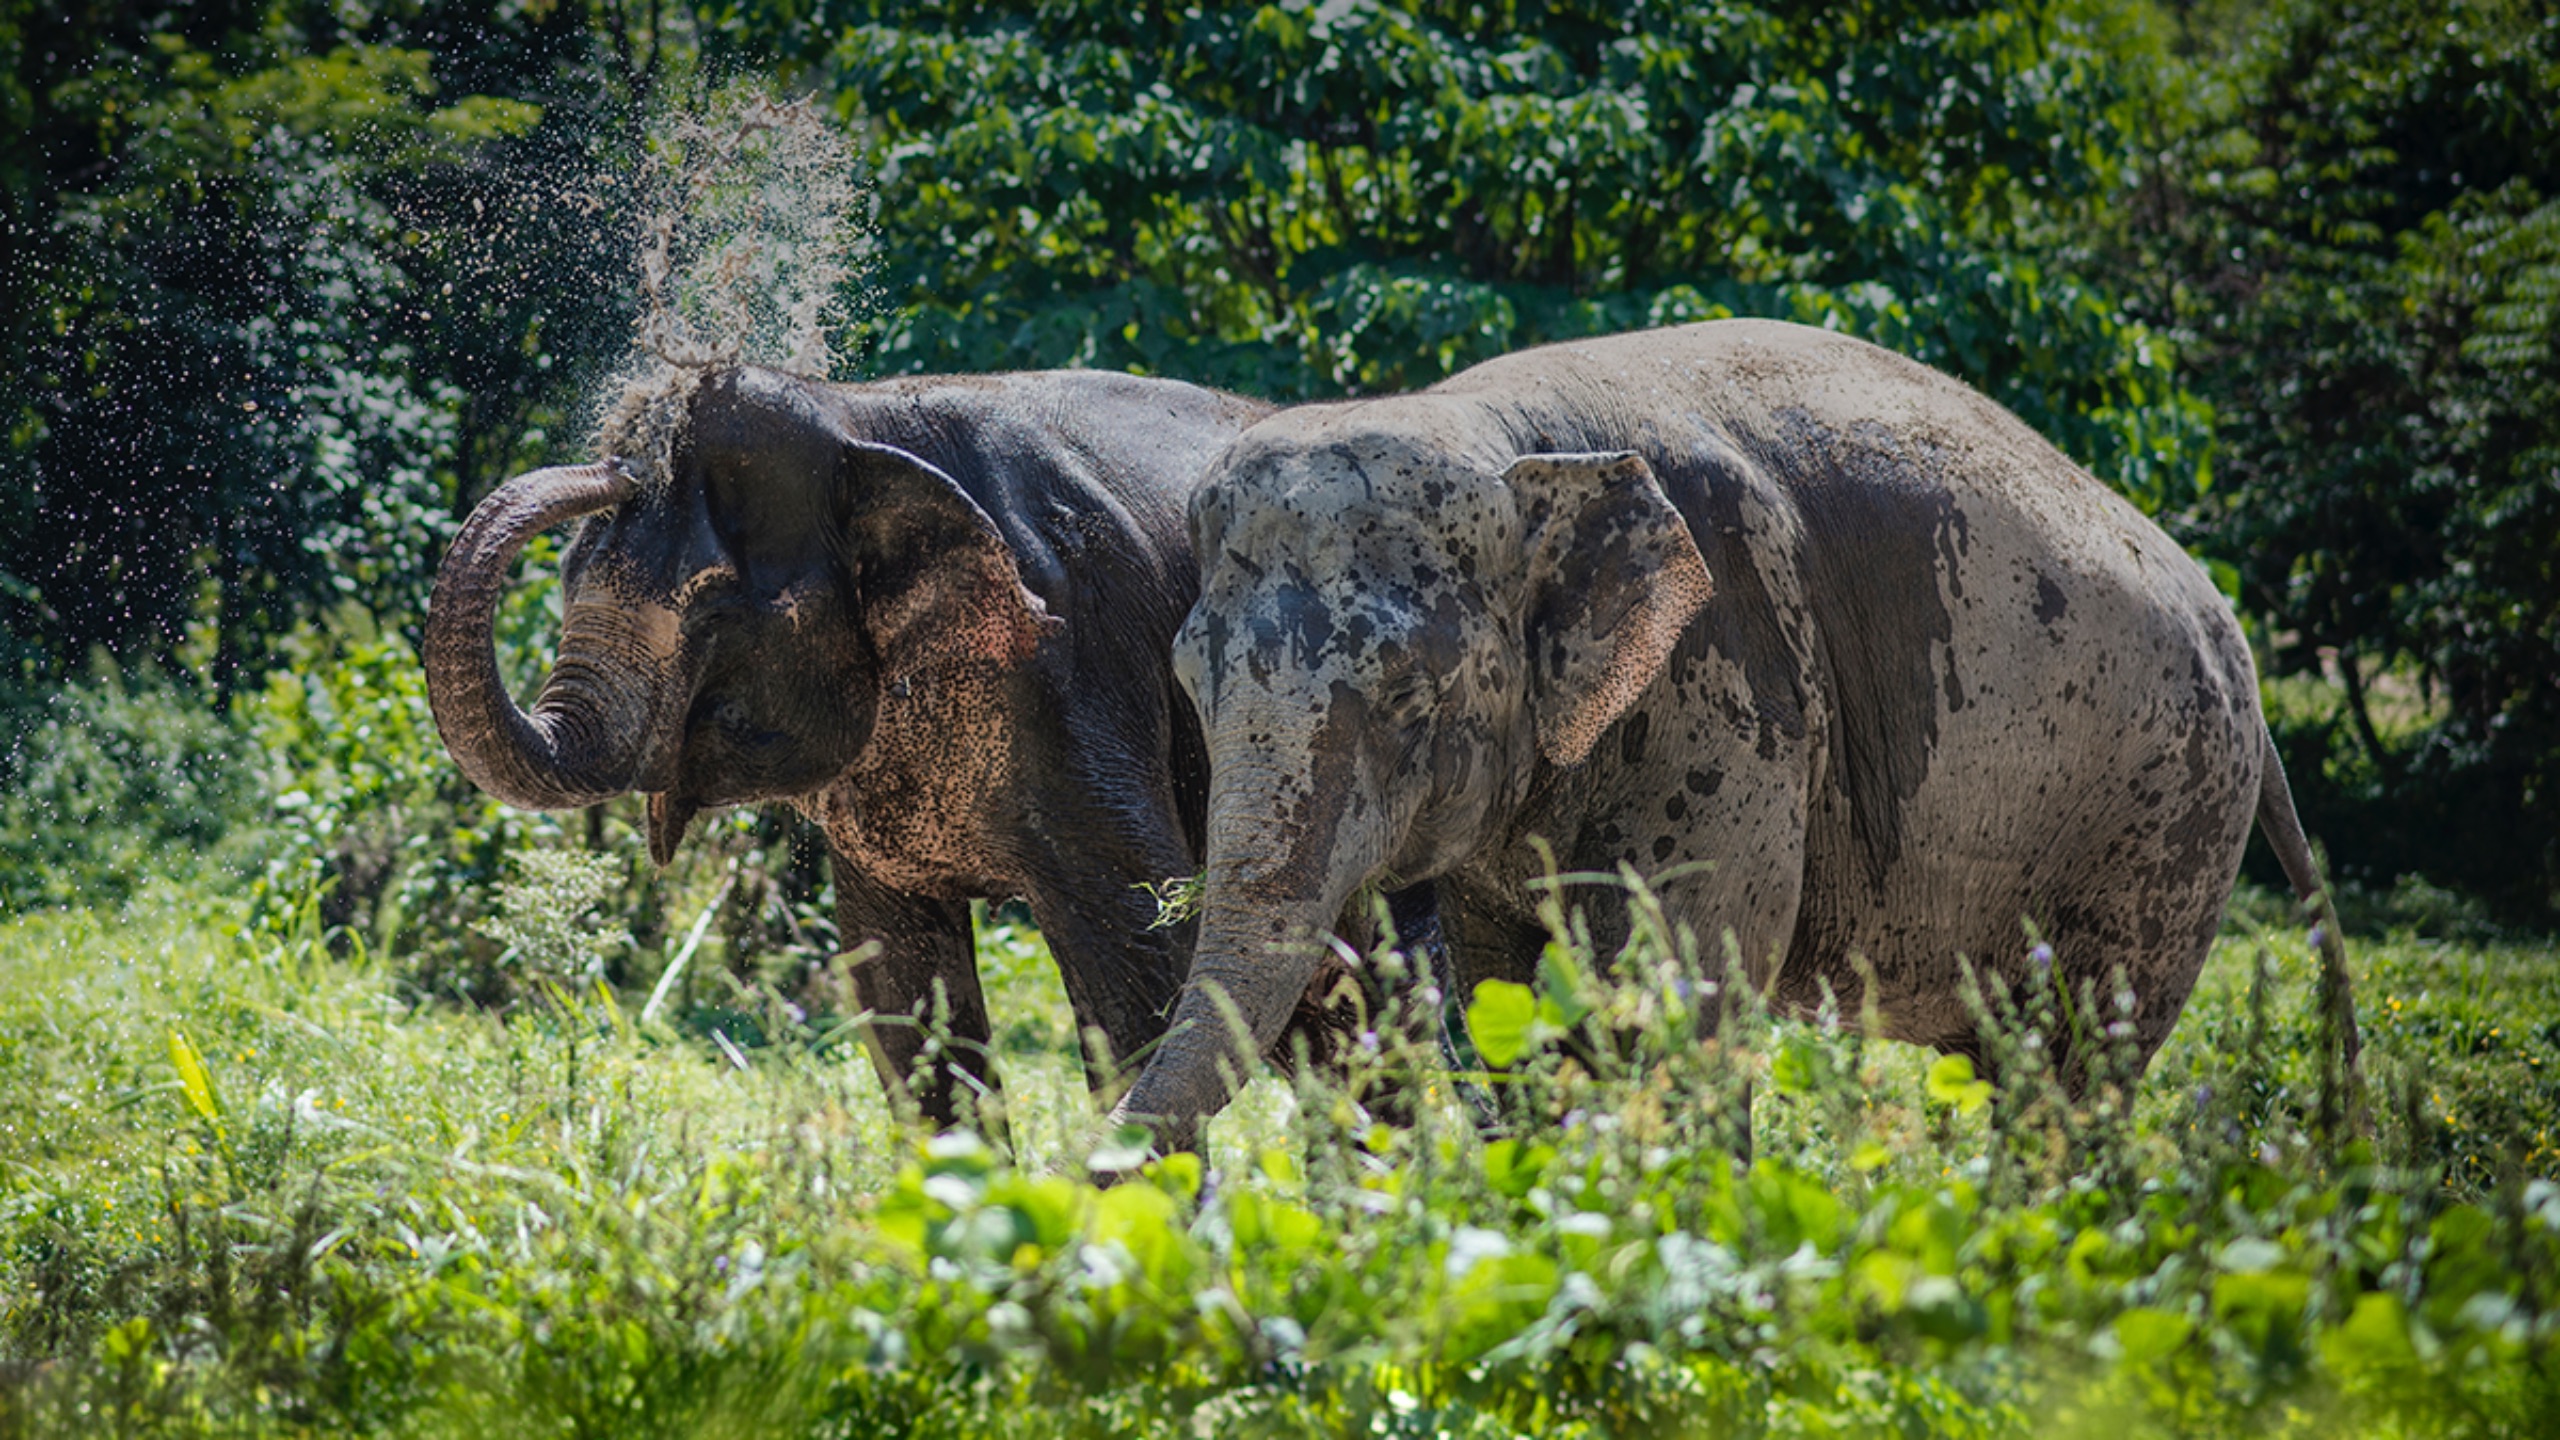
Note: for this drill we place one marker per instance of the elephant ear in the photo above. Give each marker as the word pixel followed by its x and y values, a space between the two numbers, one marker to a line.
pixel 935 579
pixel 1614 577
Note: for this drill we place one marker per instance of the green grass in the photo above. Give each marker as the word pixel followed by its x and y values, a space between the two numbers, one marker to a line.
pixel 249 1187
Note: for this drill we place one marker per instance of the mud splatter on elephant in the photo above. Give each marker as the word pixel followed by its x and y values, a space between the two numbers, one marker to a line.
pixel 1848 654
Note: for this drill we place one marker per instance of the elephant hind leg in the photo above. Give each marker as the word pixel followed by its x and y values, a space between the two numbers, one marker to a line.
pixel 2090 1004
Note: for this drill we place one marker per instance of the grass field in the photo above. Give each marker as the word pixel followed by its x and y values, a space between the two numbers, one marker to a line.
pixel 249 1186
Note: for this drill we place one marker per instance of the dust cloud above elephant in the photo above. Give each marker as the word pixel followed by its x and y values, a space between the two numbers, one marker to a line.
pixel 932 614
pixel 1861 666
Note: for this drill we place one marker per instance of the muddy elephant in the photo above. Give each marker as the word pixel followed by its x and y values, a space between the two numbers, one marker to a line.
pixel 931 614
pixel 1864 669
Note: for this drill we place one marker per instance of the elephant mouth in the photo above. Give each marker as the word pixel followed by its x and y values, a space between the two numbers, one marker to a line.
pixel 669 814
pixel 729 756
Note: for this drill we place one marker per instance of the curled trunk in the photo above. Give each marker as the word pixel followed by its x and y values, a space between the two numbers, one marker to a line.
pixel 578 744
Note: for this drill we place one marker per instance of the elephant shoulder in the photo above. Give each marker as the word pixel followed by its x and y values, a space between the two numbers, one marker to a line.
pixel 1866 585
pixel 1760 621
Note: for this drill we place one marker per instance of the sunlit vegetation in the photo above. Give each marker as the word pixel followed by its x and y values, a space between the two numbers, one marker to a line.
pixel 255 1187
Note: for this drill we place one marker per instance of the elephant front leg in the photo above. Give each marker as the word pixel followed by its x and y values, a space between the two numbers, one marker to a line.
pixel 1121 963
pixel 916 976
pixel 1431 980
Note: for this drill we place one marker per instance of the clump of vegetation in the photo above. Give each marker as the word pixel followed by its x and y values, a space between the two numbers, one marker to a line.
pixel 106 782
pixel 1177 898
pixel 549 921
pixel 252 1192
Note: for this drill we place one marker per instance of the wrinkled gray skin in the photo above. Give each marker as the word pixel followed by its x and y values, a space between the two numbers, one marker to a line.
pixel 1844 651
pixel 933 615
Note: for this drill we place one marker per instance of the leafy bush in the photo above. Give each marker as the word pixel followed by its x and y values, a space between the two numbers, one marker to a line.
pixel 370 813
pixel 258 339
pixel 1305 202
pixel 382 843
pixel 109 782
pixel 547 917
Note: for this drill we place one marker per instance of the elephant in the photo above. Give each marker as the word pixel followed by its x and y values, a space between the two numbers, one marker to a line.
pixel 1862 670
pixel 931 614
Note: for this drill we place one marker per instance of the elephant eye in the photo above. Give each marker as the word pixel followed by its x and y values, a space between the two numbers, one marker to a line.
pixel 1406 697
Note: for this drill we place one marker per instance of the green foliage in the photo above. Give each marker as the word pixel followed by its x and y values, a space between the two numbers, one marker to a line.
pixel 368 811
pixel 248 1196
pixel 1305 201
pixel 107 783
pixel 259 263
pixel 2352 229
pixel 1951 1083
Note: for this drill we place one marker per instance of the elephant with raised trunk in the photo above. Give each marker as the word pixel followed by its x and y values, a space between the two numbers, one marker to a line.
pixel 1861 668
pixel 931 614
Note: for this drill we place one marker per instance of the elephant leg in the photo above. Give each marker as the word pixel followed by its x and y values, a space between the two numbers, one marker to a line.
pixel 1485 937
pixel 2107 984
pixel 1122 969
pixel 928 1033
pixel 1488 933
pixel 1431 979
pixel 1424 925
pixel 2123 1006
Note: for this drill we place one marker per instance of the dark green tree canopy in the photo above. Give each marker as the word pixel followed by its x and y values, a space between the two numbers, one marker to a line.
pixel 2356 234
pixel 242 378
pixel 1315 200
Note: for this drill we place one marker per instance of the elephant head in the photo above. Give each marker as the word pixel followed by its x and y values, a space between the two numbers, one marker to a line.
pixel 1396 629
pixel 728 626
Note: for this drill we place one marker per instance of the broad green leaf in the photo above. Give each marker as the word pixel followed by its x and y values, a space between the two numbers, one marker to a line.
pixel 1951 1082
pixel 2149 1334
pixel 1512 1166
pixel 1177 1174
pixel 2375 1337
pixel 1499 1021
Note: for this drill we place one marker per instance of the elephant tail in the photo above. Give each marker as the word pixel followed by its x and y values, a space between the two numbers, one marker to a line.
pixel 2342 1080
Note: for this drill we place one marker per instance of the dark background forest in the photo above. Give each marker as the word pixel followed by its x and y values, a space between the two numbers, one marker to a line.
pixel 285 288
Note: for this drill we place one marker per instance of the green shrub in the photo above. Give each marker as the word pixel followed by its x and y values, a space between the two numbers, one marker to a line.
pixel 405 857
pixel 371 816
pixel 108 782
